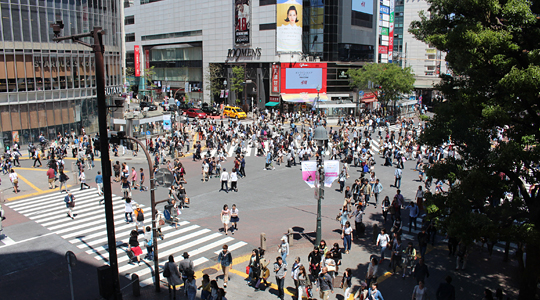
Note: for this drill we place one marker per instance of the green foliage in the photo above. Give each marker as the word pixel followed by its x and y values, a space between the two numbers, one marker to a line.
pixel 393 80
pixel 424 118
pixel 494 53
pixel 237 84
pixel 214 76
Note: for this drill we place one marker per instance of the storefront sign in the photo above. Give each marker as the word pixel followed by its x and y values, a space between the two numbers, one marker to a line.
pixel 383 49
pixel 274 99
pixel 147 58
pixel 244 52
pixel 113 90
pixel 275 79
pixel 242 19
pixel 137 61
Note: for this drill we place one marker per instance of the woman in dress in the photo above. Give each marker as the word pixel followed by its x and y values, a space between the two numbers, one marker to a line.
pixel 225 217
pixel 234 218
pixel 175 278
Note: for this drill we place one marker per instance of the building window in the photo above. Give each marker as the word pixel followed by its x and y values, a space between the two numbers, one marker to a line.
pixel 130 37
pixel 128 3
pixel 361 19
pixel 266 2
pixel 269 26
pixel 129 20
pixel 170 35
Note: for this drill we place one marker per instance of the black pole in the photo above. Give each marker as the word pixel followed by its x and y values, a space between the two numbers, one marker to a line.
pixel 98 50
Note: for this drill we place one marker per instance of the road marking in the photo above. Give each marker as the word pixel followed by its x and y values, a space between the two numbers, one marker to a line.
pixel 10 242
pixel 30 184
pixel 31 169
pixel 234 247
pixel 36 193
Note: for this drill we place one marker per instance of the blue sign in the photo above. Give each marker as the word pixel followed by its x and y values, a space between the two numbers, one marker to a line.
pixel 385 10
pixel 361 93
pixel 148 133
pixel 363 6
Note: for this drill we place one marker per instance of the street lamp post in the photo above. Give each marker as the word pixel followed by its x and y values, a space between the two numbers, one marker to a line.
pixel 227 98
pixel 98 49
pixel 318 90
pixel 256 87
pixel 320 135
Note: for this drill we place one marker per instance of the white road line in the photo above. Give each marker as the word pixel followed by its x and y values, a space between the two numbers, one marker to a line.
pixel 233 247
pixel 18 203
pixel 205 248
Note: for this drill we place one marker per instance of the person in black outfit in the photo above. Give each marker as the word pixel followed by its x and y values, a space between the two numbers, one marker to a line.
pixel 446 290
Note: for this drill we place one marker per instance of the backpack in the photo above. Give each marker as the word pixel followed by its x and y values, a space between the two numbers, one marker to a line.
pixel 140 216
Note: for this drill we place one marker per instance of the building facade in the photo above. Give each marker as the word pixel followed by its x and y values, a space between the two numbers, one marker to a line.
pixel 426 62
pixel 48 87
pixel 193 46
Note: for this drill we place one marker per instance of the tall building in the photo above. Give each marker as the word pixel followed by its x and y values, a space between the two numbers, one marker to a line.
pixel 398 32
pixel 48 87
pixel 427 62
pixel 192 43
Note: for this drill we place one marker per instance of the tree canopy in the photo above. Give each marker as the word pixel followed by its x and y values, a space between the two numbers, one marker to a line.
pixel 237 84
pixel 493 50
pixel 389 81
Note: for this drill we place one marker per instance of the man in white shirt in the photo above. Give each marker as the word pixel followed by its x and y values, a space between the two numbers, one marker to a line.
pixel 397 177
pixel 224 181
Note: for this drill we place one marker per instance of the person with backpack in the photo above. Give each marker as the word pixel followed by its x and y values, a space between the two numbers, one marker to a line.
pixel 139 217
pixel 171 272
pixel 186 268
pixel 37 158
pixel 149 242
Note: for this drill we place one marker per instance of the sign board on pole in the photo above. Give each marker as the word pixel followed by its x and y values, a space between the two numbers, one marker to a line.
pixel 361 93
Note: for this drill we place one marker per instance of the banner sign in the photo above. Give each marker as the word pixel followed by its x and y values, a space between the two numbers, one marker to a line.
pixel 383 49
pixel 242 19
pixel 384 31
pixel 331 172
pixel 275 79
pixel 137 61
pixel 166 122
pixel 385 10
pixel 391 33
pixel 289 25
pixel 309 172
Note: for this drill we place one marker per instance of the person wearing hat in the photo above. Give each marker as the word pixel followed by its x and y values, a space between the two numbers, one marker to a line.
pixel 283 249
pixel 187 269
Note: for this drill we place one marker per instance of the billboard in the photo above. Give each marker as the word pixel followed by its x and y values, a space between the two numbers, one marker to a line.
pixel 363 6
pixel 391 33
pixel 137 61
pixel 242 22
pixel 303 78
pixel 289 25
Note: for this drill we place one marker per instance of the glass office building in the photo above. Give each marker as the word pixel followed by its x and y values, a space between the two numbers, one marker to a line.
pixel 48 87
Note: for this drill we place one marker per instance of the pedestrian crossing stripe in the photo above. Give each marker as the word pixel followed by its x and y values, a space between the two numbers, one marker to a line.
pixel 88 231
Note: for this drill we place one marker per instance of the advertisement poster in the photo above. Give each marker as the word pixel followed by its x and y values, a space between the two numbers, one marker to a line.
pixel 15 136
pixel 303 78
pixel 391 33
pixel 289 25
pixel 363 6
pixel 309 172
pixel 166 122
pixel 331 172
pixel 137 61
pixel 242 19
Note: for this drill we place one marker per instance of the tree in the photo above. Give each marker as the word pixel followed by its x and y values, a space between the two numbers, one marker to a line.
pixel 494 55
pixel 389 81
pixel 214 79
pixel 237 84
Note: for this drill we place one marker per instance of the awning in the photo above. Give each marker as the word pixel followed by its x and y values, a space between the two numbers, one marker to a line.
pixel 271 104
pixel 336 105
pixel 303 97
pixel 369 100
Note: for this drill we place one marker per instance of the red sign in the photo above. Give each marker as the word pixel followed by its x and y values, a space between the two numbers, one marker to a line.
pixel 274 99
pixel 383 49
pixel 275 80
pixel 391 42
pixel 137 62
pixel 309 78
pixel 147 58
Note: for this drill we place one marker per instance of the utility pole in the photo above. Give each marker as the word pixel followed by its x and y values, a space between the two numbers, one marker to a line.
pixel 98 48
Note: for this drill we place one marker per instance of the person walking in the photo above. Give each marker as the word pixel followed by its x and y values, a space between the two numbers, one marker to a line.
pixel 346 235
pixel 149 243
pixel 397 177
pixel 423 238
pixel 191 287
pixel 51 177
pixel 346 283
pixel 373 268
pixel 396 254
pixel 37 158
pixel 63 178
pixel 421 271
pixel 186 268
pixel 446 291
pixel 409 259
pixel 283 249
pixel 374 293
pixel 385 208
pixel 70 204
pixel 225 259
pixel 128 210
pixel 82 178
pixel 304 284
pixel 234 180
pixel 324 284
pixel 14 178
pixel 99 183
pixel 142 188
pixel 234 218
pixel 377 189
pixel 139 217
pixel 420 291
pixel 225 217
pixel 224 181
pixel 382 241
pixel 413 214
pixel 133 245
pixel 280 269
pixel 420 198
pixel 173 278
pixel 359 226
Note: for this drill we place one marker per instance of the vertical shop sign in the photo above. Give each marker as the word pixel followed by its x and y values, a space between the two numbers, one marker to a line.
pixel 147 58
pixel 391 33
pixel 137 61
pixel 275 79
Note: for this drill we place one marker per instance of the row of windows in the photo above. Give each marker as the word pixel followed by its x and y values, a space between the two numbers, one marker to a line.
pixel 171 35
pixel 31 23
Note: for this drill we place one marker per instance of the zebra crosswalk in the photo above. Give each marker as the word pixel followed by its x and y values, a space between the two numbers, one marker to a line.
pixel 88 231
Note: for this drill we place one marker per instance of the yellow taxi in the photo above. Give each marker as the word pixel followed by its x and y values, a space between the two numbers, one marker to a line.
pixel 234 112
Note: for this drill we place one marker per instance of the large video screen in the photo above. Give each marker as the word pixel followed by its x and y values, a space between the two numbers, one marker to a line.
pixel 303 78
pixel 289 25
pixel 363 6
